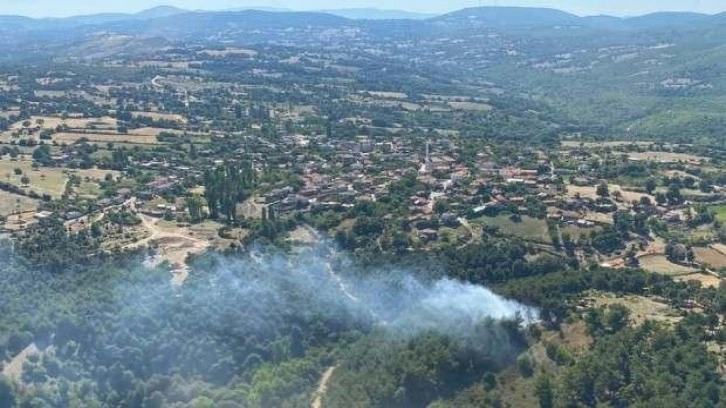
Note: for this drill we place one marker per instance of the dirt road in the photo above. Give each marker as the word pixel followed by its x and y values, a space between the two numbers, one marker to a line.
pixel 173 247
pixel 473 234
pixel 323 387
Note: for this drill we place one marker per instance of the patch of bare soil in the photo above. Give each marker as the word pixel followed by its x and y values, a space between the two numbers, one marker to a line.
pixel 303 235
pixel 173 246
pixel 660 264
pixel 706 280
pixel 323 387
pixel 250 208
pixel 641 308
pixel 14 368
pixel 711 257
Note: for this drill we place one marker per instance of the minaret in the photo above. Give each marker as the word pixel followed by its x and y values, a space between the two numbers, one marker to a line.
pixel 425 166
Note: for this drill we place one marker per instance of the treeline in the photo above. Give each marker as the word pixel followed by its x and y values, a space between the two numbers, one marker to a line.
pixel 226 186
pixel 383 371
pixel 649 365
pixel 121 335
pixel 47 247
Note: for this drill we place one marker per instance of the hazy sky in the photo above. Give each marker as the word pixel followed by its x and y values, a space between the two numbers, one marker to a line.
pixel 44 8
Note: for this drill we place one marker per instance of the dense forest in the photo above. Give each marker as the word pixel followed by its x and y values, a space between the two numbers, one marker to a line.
pixel 497 207
pixel 260 330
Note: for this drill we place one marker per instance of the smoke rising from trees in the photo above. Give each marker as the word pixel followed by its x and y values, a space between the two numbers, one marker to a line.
pixel 308 283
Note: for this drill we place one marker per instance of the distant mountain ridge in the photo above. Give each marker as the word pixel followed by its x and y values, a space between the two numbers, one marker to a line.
pixel 531 16
pixel 507 16
pixel 378 14
pixel 172 20
pixel 160 11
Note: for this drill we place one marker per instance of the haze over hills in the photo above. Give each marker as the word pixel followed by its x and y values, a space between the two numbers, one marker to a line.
pixel 483 16
pixel 362 208
pixel 252 26
pixel 378 14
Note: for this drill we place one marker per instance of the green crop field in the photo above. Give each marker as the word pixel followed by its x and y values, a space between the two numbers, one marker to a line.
pixel 528 228
pixel 720 212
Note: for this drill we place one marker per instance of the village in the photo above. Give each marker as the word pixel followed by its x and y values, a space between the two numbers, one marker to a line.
pixel 557 199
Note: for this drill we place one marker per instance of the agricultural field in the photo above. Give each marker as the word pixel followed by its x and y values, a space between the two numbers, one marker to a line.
pixel 388 95
pixel 666 157
pixel 51 122
pixel 94 174
pixel 88 190
pixel 590 192
pixel 577 232
pixel 8 113
pixel 50 94
pixel 229 51
pixel 70 138
pixel 162 64
pixel 18 222
pixel 641 308
pixel 160 116
pixel 12 203
pixel 603 144
pixel 51 181
pixel 710 257
pixel 407 106
pixel 599 218
pixel 470 106
pixel 660 264
pixel 720 212
pixel 706 280
pixel 529 228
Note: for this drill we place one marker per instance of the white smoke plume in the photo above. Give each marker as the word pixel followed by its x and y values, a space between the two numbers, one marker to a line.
pixel 307 284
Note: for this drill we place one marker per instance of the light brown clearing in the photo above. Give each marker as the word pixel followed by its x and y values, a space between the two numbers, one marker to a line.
pixel 51 122
pixel 660 264
pixel 577 143
pixel 18 222
pixel 51 181
pixel 575 337
pixel 471 106
pixel 8 113
pixel 641 308
pixel 591 192
pixel 14 368
pixel 160 116
pixel 571 335
pixel 655 247
pixel 11 203
pixel 599 218
pixel 250 208
pixel 150 131
pixel 162 64
pixel 173 246
pixel 95 174
pixel 229 51
pixel 105 138
pixel 389 95
pixel 711 257
pixel 303 235
pixel 706 280
pixel 452 98
pixel 666 157
pixel 323 387
pixel 49 94
pixel 409 106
